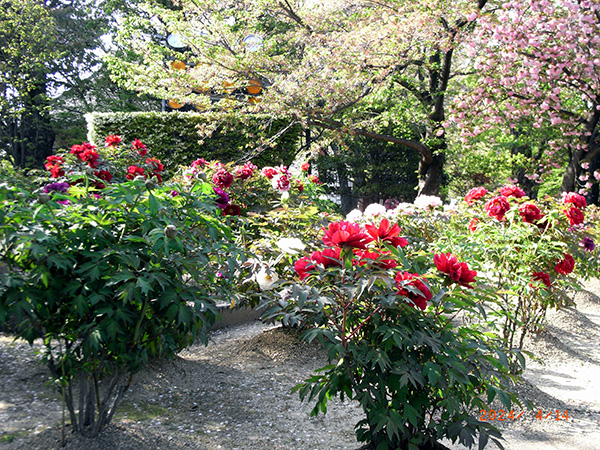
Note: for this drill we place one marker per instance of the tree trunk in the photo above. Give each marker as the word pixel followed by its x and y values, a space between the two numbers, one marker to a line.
pixel 32 132
pixel 430 175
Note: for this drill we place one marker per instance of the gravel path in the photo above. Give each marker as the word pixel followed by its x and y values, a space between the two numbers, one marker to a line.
pixel 235 394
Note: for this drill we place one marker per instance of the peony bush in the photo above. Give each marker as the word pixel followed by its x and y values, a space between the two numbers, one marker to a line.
pixel 109 274
pixel 387 319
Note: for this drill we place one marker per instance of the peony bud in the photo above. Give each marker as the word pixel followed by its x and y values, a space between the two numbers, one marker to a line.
pixel 21 196
pixel 43 198
pixel 139 178
pixel 150 184
pixel 201 176
pixel 170 231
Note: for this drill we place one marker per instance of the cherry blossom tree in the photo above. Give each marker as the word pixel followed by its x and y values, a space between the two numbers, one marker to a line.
pixel 312 60
pixel 538 66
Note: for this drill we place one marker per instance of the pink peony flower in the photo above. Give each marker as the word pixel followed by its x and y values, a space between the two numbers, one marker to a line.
pixel 281 182
pixel 222 178
pixel 475 194
pixel 511 190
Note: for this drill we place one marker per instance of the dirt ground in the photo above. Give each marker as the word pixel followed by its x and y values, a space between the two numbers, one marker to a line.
pixel 235 395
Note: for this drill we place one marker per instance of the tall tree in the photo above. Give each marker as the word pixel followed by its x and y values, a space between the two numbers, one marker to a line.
pixel 27 45
pixel 313 60
pixel 538 63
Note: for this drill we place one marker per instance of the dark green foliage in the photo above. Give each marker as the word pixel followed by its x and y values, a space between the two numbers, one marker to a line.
pixel 110 282
pixel 180 138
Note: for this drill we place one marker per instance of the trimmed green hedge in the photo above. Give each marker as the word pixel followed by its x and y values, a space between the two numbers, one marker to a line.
pixel 181 137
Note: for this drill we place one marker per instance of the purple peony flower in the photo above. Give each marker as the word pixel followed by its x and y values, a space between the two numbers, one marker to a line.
pixel 588 244
pixel 56 187
pixel 222 197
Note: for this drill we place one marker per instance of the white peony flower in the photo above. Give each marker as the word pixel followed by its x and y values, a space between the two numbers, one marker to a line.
pixel 290 246
pixel 374 210
pixel 354 216
pixel 266 279
pixel 427 201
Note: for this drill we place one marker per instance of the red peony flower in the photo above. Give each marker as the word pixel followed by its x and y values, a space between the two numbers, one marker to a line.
pixel 222 178
pixel 269 172
pixel 475 194
pixel 541 276
pixel 346 234
pixel 457 271
pixel 141 148
pixel 155 163
pixel 104 175
pixel 134 171
pixel 299 186
pixel 113 140
pixel 566 265
pixel 303 266
pixel 329 257
pixel 53 160
pixel 56 171
pixel 314 179
pixel 232 210
pixel 91 157
pixel 472 226
pixel 54 165
pixel 530 213
pixel 77 150
pixel 408 283
pixel 497 207
pixel 384 264
pixel 386 234
pixel 511 190
pixel 575 215
pixel 305 167
pixel 576 199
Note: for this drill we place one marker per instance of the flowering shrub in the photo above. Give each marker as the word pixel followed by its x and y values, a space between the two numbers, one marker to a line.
pixel 528 252
pixel 109 276
pixel 264 207
pixel 392 345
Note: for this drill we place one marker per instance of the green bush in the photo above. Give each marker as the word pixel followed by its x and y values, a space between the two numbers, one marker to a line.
pixel 391 340
pixel 180 138
pixel 110 277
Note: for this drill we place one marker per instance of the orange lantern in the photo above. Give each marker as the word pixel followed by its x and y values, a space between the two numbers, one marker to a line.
pixel 177 65
pixel 254 87
pixel 174 104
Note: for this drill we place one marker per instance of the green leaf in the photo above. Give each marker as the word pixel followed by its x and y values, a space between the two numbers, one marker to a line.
pixel 154 204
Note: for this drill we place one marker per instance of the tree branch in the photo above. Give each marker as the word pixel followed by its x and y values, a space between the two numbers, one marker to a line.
pixel 331 124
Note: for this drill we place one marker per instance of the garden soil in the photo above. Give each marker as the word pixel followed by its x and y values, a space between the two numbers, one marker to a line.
pixel 235 394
